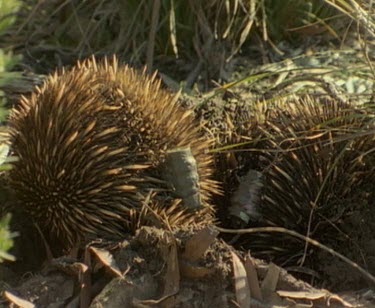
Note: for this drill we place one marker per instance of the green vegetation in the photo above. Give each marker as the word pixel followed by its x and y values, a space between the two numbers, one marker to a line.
pixel 6 239
pixel 7 10
pixel 7 62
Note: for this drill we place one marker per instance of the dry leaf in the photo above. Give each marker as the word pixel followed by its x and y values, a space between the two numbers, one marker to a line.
pixel 252 278
pixel 85 281
pixel 269 284
pixel 194 271
pixel 106 259
pixel 339 299
pixel 22 303
pixel 172 275
pixel 313 295
pixel 270 281
pixel 199 243
pixel 240 282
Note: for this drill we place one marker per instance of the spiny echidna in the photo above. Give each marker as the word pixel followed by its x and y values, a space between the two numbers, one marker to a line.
pixel 308 169
pixel 91 144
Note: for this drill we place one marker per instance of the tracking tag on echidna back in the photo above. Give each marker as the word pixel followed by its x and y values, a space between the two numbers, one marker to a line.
pixel 182 173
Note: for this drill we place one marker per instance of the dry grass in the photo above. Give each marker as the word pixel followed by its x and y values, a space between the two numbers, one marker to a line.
pixel 202 37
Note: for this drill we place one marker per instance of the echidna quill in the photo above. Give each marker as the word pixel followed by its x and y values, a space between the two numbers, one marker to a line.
pixel 313 159
pixel 91 143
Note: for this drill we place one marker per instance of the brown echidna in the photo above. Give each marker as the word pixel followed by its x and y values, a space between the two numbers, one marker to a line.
pixel 311 171
pixel 91 144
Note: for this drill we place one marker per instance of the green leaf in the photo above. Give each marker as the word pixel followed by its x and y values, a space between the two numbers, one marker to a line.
pixel 6 239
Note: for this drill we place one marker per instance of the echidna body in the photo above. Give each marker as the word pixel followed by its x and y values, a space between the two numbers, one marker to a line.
pixel 313 157
pixel 91 142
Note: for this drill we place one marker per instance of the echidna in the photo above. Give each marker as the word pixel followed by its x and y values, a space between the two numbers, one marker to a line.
pixel 91 143
pixel 311 165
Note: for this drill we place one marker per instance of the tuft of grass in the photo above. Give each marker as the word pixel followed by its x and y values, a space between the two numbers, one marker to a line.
pixel 293 19
pixel 201 36
pixel 7 13
pixel 6 239
pixel 7 62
